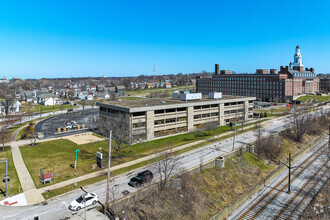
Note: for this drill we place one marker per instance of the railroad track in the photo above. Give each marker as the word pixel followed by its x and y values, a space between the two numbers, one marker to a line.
pixel 256 208
pixel 291 208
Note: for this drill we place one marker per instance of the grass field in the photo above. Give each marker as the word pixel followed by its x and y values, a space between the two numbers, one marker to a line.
pixel 315 97
pixel 44 109
pixel 13 184
pixel 53 193
pixel 58 156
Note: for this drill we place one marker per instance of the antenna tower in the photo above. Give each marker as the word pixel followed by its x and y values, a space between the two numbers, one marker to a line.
pixel 154 72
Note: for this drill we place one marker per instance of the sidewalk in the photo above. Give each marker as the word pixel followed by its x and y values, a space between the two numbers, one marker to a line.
pixel 13 136
pixel 33 195
pixel 130 163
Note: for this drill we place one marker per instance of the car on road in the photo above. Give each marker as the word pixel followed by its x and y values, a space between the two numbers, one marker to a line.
pixel 83 201
pixel 141 178
pixel 70 110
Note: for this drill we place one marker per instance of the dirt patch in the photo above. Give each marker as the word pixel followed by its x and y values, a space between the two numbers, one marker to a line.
pixel 83 138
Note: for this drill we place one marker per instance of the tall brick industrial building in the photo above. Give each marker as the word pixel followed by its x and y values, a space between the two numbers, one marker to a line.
pixel 279 86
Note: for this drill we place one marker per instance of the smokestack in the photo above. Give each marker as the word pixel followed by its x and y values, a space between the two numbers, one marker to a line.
pixel 217 71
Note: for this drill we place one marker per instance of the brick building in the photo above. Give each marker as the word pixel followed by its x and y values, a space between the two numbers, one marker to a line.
pixel 325 84
pixel 279 86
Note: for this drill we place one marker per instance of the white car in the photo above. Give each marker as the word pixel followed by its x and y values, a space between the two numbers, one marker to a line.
pixel 83 201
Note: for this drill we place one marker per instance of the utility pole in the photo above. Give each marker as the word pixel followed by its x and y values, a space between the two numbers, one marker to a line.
pixel 154 73
pixel 108 180
pixel 234 131
pixel 289 191
pixel 6 176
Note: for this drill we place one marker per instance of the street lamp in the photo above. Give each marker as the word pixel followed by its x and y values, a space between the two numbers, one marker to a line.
pixel 234 131
pixel 108 180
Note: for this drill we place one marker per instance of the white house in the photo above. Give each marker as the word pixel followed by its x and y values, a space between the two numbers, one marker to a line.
pixel 13 107
pixel 47 99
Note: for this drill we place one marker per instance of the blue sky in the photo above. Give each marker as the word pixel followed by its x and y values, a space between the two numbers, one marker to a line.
pixel 125 38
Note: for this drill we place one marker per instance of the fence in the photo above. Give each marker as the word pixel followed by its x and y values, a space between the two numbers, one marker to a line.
pixel 241 199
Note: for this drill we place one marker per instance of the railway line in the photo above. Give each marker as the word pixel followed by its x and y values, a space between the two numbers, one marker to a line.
pixel 275 203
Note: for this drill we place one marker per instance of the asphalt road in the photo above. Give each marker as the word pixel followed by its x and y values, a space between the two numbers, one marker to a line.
pixel 49 126
pixel 57 208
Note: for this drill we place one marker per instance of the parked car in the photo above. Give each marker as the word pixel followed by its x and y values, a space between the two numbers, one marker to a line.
pixel 141 178
pixel 84 200
pixel 70 110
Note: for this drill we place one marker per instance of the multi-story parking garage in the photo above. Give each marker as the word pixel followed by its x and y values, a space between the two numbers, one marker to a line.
pixel 150 118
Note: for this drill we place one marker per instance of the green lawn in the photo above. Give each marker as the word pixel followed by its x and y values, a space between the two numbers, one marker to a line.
pixel 49 108
pixel 53 193
pixel 58 156
pixel 13 184
pixel 315 97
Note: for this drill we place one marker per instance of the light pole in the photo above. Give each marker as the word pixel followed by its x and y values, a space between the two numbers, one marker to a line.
pixel 108 180
pixel 234 132
pixel 289 167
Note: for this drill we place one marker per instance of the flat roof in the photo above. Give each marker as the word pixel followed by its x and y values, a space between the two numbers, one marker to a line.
pixel 154 104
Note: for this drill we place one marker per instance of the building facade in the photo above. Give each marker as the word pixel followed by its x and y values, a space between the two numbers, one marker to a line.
pixel 325 84
pixel 151 118
pixel 279 86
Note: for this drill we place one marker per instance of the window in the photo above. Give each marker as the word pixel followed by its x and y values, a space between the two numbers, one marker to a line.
pixel 138 114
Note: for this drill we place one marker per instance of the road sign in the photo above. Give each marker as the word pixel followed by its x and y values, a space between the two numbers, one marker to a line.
pixel 99 159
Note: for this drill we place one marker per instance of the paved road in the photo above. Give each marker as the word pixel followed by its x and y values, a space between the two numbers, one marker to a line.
pixel 273 202
pixel 49 126
pixel 57 208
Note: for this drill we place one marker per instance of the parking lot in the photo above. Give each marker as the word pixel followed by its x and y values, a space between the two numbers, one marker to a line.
pixel 50 126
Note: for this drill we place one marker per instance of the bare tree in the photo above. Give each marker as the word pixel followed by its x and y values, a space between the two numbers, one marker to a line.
pixel 165 166
pixel 4 135
pixel 114 191
pixel 28 109
pixel 258 130
pixel 211 127
pixel 197 132
pixel 119 126
pixel 270 147
pixel 298 124
pixel 201 160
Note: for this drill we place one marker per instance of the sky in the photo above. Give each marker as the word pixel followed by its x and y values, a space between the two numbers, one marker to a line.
pixel 78 38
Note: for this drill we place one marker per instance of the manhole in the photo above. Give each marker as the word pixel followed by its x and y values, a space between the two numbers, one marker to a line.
pixel 125 192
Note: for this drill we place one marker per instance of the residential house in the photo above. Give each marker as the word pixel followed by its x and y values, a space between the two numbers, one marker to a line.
pixel 120 91
pixel 99 95
pixel 11 106
pixel 149 86
pixel 47 99
pixel 168 85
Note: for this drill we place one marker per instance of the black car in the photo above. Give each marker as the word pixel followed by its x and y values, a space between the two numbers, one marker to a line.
pixel 70 110
pixel 141 178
